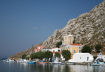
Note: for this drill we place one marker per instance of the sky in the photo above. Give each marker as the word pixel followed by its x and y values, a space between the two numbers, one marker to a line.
pixel 27 22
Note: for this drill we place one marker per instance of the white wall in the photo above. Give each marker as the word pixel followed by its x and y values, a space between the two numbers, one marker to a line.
pixel 55 49
pixel 82 57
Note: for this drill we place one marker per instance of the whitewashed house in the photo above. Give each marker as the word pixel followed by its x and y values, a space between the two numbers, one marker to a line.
pixel 45 49
pixel 52 49
pixel 81 57
pixel 55 50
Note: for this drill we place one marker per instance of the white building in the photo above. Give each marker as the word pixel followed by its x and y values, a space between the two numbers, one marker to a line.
pixel 81 57
pixel 45 49
pixel 55 49
pixel 52 50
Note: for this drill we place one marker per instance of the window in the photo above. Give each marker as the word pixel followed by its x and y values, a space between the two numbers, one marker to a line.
pixel 74 51
pixel 79 47
pixel 79 51
pixel 87 58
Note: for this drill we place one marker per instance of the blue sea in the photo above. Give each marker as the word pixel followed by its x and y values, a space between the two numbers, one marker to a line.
pixel 23 67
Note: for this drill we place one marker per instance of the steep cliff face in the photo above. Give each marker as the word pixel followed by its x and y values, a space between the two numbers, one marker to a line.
pixel 88 28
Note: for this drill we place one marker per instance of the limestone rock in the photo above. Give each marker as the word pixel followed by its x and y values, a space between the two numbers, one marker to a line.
pixel 88 28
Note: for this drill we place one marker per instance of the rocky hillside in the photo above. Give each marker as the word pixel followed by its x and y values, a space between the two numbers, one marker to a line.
pixel 27 52
pixel 88 28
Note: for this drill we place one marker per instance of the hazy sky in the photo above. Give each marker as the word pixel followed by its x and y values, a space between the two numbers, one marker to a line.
pixel 27 22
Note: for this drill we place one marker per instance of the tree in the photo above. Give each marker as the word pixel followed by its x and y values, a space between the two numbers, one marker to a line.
pixel 57 55
pixel 98 47
pixel 27 58
pixel 58 44
pixel 32 56
pixel 48 54
pixel 66 54
pixel 40 55
pixel 86 49
pixel 24 56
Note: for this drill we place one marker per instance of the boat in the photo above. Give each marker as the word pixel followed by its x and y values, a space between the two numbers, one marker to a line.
pixel 9 60
pixel 56 61
pixel 31 62
pixel 98 63
pixel 42 62
pixel 22 61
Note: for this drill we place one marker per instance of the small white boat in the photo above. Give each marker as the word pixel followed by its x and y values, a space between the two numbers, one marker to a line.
pixel 23 61
pixel 56 62
pixel 9 60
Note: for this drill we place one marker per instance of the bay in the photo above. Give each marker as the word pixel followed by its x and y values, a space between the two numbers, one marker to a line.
pixel 23 67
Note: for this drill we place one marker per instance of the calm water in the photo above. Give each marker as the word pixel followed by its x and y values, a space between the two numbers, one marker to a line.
pixel 18 67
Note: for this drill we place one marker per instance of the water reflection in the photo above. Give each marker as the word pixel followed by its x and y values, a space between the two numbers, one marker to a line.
pixel 23 67
pixel 99 68
pixel 69 68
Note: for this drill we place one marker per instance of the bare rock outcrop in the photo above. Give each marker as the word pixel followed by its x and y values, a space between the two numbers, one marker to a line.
pixel 88 28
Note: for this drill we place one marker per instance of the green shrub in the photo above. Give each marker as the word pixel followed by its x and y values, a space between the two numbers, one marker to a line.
pixel 86 49
pixel 66 54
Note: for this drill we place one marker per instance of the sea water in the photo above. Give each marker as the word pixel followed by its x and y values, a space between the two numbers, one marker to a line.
pixel 24 67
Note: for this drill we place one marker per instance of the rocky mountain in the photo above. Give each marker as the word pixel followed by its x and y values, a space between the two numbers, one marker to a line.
pixel 27 52
pixel 88 28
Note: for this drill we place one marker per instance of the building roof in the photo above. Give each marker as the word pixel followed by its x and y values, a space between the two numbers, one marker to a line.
pixel 76 44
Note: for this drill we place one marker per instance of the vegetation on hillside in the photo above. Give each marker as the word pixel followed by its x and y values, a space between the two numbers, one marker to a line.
pixel 41 55
pixel 86 49
pixel 57 55
pixel 66 54
pixel 24 56
pixel 98 48
pixel 58 44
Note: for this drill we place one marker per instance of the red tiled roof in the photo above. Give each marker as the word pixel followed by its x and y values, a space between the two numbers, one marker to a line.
pixel 38 48
pixel 76 44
